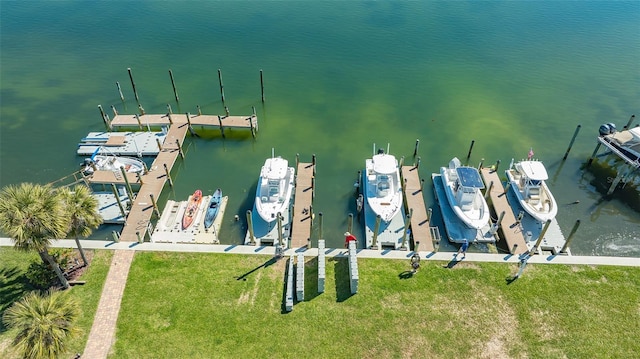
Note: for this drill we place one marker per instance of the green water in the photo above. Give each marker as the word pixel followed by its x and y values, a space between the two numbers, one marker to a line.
pixel 339 76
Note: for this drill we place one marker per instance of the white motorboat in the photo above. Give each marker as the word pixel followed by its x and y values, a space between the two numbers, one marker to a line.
pixel 383 189
pixel 625 143
pixel 109 162
pixel 527 179
pixel 275 186
pixel 462 185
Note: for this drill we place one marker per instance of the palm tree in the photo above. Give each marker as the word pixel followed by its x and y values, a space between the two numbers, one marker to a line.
pixel 82 210
pixel 44 323
pixel 32 215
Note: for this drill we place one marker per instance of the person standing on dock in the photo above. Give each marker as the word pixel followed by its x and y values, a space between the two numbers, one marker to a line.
pixel 348 237
pixel 463 249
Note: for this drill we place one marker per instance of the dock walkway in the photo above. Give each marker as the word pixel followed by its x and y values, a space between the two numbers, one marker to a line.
pixel 420 227
pixel 155 120
pixel 510 230
pixel 302 212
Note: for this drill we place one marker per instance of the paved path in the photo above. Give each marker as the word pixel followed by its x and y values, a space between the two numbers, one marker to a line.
pixel 103 330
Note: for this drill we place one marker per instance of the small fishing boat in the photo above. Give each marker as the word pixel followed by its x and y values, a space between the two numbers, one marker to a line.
pixel 192 209
pixel 213 208
pixel 462 185
pixel 527 180
pixel 382 181
pixel 110 162
pixel 275 186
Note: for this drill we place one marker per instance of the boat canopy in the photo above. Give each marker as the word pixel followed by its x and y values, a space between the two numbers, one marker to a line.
pixel 534 170
pixel 384 163
pixel 469 177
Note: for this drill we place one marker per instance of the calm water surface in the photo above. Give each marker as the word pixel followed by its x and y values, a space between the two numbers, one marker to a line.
pixel 339 76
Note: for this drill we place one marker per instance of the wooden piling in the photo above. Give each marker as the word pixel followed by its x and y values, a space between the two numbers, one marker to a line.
pixel 199 110
pixel 115 193
pixel 252 237
pixel 421 185
pixel 401 162
pixel 173 84
pixel 261 86
pixel 297 158
pixel 496 225
pixel 593 155
pixel 221 86
pixel 542 233
pixel 480 164
pixel 350 222
pixel 251 126
pixel 126 182
pixel 179 148
pixel 488 191
pixel 313 162
pixel 120 91
pixel 115 236
pixel 495 168
pixel 570 237
pixel 374 244
pixel 313 187
pixel 571 143
pixel 417 164
pixel 139 122
pixel 226 111
pixel 429 212
pixel 415 149
pixel 470 149
pixel 159 144
pixel 139 178
pixel 628 125
pixel 170 111
pixel 221 127
pixel 506 188
pixel 191 131
pixel 105 118
pixel 155 204
pixel 115 112
pixel 141 109
pixel 279 219
pixel 358 181
pixel 133 85
pixel 166 171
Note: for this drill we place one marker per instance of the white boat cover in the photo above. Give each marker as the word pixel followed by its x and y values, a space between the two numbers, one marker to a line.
pixel 384 164
pixel 534 170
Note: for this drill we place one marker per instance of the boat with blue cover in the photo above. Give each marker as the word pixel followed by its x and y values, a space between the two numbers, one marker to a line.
pixel 463 186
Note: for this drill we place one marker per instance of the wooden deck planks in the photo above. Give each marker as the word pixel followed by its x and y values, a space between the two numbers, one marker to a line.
pixel 196 120
pixel 420 227
pixel 509 230
pixel 302 215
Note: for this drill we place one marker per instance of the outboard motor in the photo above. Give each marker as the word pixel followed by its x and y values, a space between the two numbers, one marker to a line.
pixel 604 129
pixel 380 151
pixel 612 128
pixel 87 162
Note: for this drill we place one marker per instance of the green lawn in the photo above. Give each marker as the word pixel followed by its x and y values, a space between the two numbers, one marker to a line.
pixel 183 305
pixel 14 285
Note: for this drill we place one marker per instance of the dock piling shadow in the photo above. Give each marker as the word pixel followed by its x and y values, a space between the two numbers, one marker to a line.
pixel 341 276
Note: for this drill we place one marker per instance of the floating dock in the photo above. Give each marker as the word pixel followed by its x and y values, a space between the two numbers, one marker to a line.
pixel 454 227
pixel 169 226
pixel 302 212
pixel 108 205
pixel 421 229
pixel 122 143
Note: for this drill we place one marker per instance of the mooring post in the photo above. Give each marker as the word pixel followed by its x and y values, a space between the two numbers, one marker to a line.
pixel 261 86
pixel 506 188
pixel 297 160
pixel 173 84
pixel 169 109
pixel 488 191
pixel 116 237
pixel 139 122
pixel 628 125
pixel 320 226
pixel 279 218
pixel 226 111
pixel 159 144
pixel 313 163
pixel 115 193
pixel 480 164
pixel 166 171
pixel 221 127
pixel 133 84
pixel 421 184
pixel 251 126
pixel 120 91
pixel 415 150
pixel 495 167
pixel 593 155
pixel 568 241
pixel 141 109
pixel 311 215
pixel 252 238
pixel 470 149
pixel 571 143
pixel 189 123
pixel 358 181
pixel 514 248
pixel 313 187
pixel 155 204
pixel 496 225
pixel 374 245
pixel 417 164
pixel 429 212
pixel 126 182
pixel 407 220
pixel 179 148
pixel 199 110
pixel 139 178
pixel 401 162
pixel 542 233
pixel 221 86
pixel 350 222
pixel 115 112
pixel 105 118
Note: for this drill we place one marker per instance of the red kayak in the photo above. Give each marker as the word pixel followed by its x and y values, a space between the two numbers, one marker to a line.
pixel 192 209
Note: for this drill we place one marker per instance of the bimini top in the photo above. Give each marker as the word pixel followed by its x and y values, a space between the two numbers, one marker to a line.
pixel 469 177
pixel 534 170
pixel 274 168
pixel 384 164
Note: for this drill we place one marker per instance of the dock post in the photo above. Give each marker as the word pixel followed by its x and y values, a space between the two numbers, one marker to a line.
pixel 506 188
pixel 496 225
pixel 189 123
pixel 139 122
pixel 480 164
pixel 628 125
pixel 495 167
pixel 133 84
pixel 221 127
pixel 421 184
pixel 140 178
pixel 221 86
pixel 320 225
pixel 429 212
pixel 120 91
pixel 126 182
pixel 140 239
pixel 251 126
pixel 169 109
pixel 417 164
pixel 407 220
pixel 415 150
pixel 515 247
pixel 115 193
pixel 226 111
pixel 173 84
pixel 159 144
pixel 169 117
pixel 593 155
pixel 166 171
pixel 261 86
pixel 374 244
pixel 105 118
pixel 470 149
pixel 313 187
pixel 571 143
pixel 199 110
pixel 350 222
pixel 115 112
pixel 357 185
pixel 401 162
pixel 279 219
pixel 252 237
pixel 568 241
pixel 488 191
pixel 313 163
pixel 542 233
pixel 155 204
pixel 297 160
pixel 116 237
pixel 179 148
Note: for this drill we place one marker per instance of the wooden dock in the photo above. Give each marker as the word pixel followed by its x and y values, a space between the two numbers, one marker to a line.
pixel 421 230
pixel 155 120
pixel 302 212
pixel 510 230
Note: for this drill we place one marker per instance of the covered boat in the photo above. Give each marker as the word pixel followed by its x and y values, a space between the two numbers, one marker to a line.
pixel 275 185
pixel 463 186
